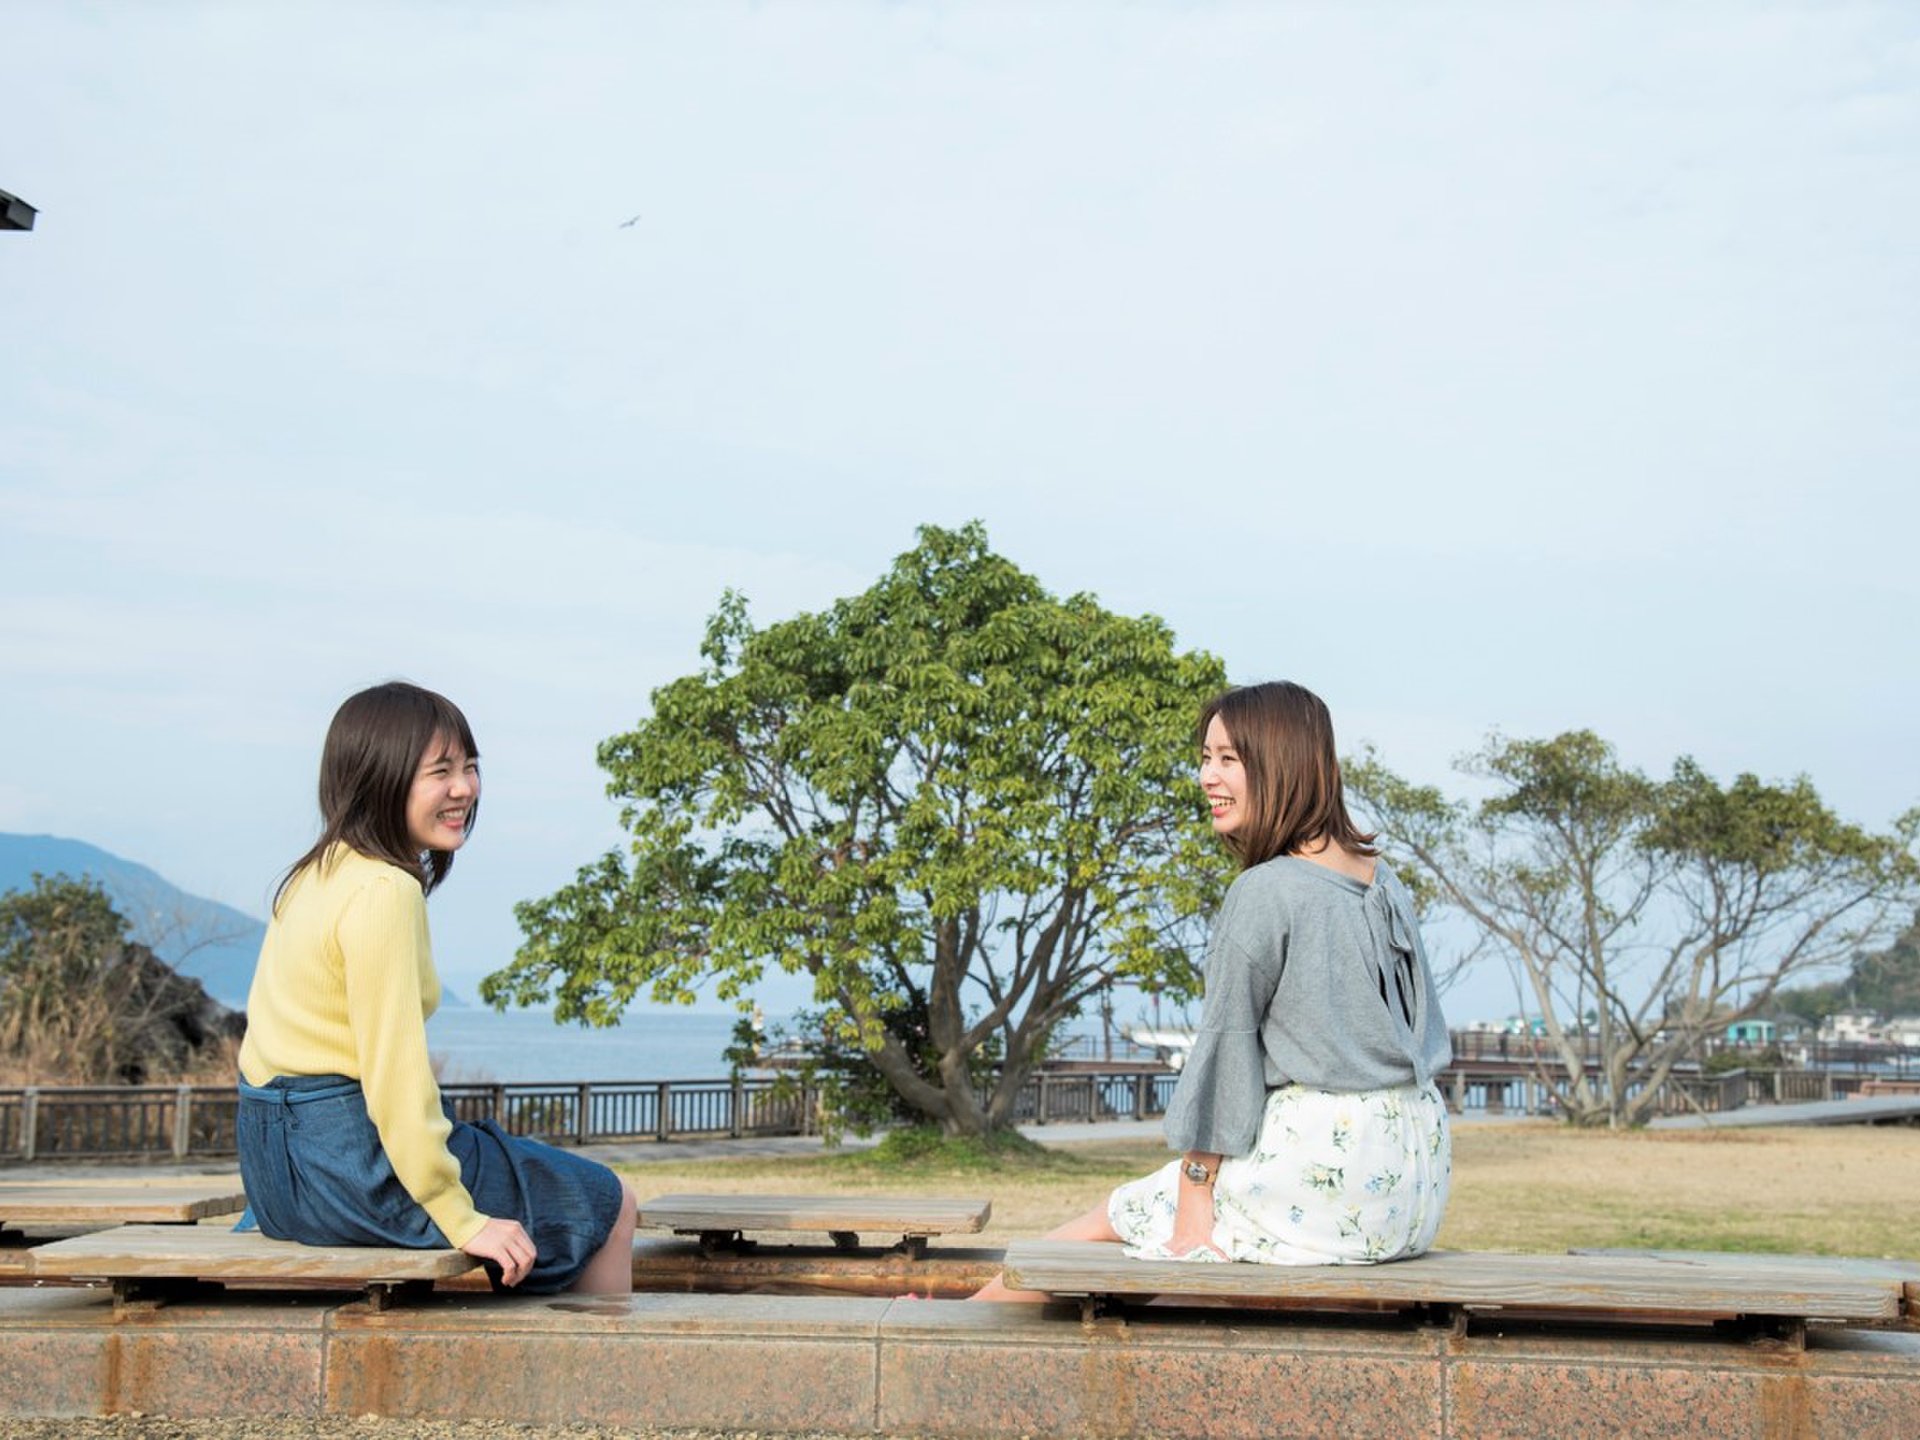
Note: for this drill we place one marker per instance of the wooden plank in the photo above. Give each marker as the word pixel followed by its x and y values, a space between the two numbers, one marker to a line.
pixel 1858 1266
pixel 1905 1274
pixel 1618 1284
pixel 116 1179
pixel 686 1267
pixel 1878 1086
pixel 893 1214
pixel 201 1252
pixel 175 1202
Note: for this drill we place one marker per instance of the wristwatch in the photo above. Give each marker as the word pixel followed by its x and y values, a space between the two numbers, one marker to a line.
pixel 1196 1172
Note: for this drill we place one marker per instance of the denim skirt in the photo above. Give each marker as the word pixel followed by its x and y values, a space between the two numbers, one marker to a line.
pixel 315 1172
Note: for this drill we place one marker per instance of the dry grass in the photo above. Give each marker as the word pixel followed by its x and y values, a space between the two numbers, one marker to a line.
pixel 1847 1190
pixel 49 1061
pixel 1527 1187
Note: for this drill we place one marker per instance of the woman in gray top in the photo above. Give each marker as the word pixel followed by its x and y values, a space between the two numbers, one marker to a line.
pixel 1310 1128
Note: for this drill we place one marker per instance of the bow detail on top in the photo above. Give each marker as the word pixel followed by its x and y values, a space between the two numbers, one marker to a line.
pixel 1391 929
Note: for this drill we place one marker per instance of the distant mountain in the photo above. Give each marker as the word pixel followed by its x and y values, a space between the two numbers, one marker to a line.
pixel 213 943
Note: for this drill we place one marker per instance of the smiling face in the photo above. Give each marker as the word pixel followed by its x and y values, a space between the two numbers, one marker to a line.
pixel 1224 778
pixel 445 789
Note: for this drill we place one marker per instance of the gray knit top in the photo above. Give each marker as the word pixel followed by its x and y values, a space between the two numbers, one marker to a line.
pixel 1313 979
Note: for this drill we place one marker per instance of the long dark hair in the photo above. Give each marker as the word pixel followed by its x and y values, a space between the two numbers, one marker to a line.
pixel 373 749
pixel 1284 738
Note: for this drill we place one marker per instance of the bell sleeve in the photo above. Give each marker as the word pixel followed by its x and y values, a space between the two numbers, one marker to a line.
pixel 1222 1093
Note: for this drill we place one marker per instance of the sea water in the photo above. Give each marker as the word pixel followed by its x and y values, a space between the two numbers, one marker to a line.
pixel 477 1044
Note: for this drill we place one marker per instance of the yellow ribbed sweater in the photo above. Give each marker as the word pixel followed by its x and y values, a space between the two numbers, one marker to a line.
pixel 344 986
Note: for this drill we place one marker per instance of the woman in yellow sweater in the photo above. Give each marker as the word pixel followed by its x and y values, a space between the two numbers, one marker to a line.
pixel 344 1139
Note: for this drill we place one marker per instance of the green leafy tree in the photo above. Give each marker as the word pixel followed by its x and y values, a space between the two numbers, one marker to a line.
pixel 1886 981
pixel 1668 908
pixel 1889 980
pixel 851 1094
pixel 961 805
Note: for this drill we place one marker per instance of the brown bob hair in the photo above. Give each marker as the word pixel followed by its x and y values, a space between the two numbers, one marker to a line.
pixel 1284 738
pixel 373 750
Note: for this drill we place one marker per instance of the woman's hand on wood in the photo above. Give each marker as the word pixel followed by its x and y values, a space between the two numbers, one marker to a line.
pixel 507 1245
pixel 1195 1233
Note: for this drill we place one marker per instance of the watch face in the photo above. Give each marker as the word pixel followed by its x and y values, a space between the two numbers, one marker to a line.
pixel 1198 1173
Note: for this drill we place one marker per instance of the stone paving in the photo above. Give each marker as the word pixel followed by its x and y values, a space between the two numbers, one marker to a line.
pixel 858 1366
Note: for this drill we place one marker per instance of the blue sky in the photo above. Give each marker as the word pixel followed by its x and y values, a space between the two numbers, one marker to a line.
pixel 1478 365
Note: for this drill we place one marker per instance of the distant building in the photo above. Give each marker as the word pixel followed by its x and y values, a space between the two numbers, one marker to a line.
pixel 1850 1027
pixel 1792 1027
pixel 1752 1031
pixel 1902 1030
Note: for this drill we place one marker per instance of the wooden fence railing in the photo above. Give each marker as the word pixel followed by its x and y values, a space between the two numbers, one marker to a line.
pixel 1470 1046
pixel 179 1122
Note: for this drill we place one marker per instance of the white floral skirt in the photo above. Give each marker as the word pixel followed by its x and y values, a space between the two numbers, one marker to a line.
pixel 1334 1179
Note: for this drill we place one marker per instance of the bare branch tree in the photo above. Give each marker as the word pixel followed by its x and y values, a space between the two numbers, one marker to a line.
pixel 1640 915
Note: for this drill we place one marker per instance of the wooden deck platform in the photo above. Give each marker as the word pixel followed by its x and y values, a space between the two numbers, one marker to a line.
pixel 160 1262
pixel 1859 1110
pixel 1614 1288
pixel 158 1202
pixel 723 1221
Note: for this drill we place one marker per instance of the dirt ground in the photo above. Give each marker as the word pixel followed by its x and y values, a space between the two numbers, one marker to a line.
pixel 1845 1190
pixel 146 1427
pixel 1526 1186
